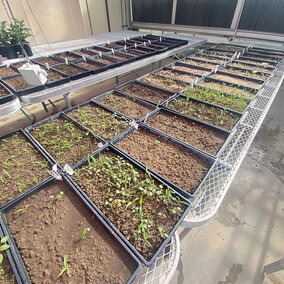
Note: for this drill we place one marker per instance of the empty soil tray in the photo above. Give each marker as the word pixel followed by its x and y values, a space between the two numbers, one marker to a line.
pixel 165 158
pixel 199 63
pixel 130 107
pixel 66 142
pixel 213 115
pixel 103 123
pixel 250 67
pixel 72 70
pixel 234 80
pixel 147 93
pixel 22 167
pixel 3 91
pixel 142 209
pixel 51 61
pixel 178 75
pixel 248 73
pixel 218 98
pixel 190 70
pixel 65 233
pixel 211 59
pixel 55 78
pixel 84 53
pixel 227 88
pixel 69 56
pixel 104 60
pixel 164 83
pixel 191 132
pixel 7 71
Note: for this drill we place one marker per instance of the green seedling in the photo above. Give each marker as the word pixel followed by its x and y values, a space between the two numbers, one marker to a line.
pixel 3 247
pixel 84 232
pixel 157 142
pixel 59 196
pixel 23 209
pixel 65 268
pixel 162 233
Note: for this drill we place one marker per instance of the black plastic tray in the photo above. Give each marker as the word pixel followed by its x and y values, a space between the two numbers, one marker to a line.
pixel 9 75
pixel 6 98
pixel 94 103
pixel 257 61
pixel 123 43
pixel 59 60
pixel 198 61
pixel 180 63
pixel 208 159
pixel 262 57
pixel 170 93
pixel 139 55
pixel 268 54
pixel 98 49
pixel 15 257
pixel 269 69
pixel 110 46
pixel 137 165
pixel 244 69
pixel 85 72
pixel 60 81
pixel 145 50
pixel 91 53
pixel 125 58
pixel 118 92
pixel 267 50
pixel 22 91
pixel 103 67
pixel 43 153
pixel 29 129
pixel 67 53
pixel 214 128
pixel 115 63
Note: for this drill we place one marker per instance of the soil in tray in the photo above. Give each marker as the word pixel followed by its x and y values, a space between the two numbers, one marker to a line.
pixel 199 63
pixel 64 141
pixel 150 94
pixel 49 60
pixel 227 88
pixel 247 56
pixel 257 63
pixel 178 76
pixel 56 227
pixel 235 80
pixel 219 54
pixel 214 60
pixel 177 165
pixel 277 57
pixel 22 167
pixel 53 76
pixel 188 131
pixel 83 53
pixel 88 65
pixel 3 91
pixel 218 98
pixel 129 107
pixel 246 66
pixel 212 115
pixel 70 57
pixel 70 70
pixel 103 123
pixel 247 73
pixel 6 272
pixel 18 83
pixel 104 60
pixel 164 83
pixel 117 57
pixel 7 71
pixel 191 70
pixel 143 210
pixel 136 54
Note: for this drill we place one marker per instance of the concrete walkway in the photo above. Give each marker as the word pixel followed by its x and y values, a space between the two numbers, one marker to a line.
pixel 248 230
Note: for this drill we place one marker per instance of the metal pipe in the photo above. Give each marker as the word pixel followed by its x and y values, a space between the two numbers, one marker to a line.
pixel 239 18
pixel 107 13
pixel 125 12
pixel 89 17
pixel 9 7
pixel 121 10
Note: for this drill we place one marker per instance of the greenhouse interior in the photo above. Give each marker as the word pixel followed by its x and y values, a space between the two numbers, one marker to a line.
pixel 142 141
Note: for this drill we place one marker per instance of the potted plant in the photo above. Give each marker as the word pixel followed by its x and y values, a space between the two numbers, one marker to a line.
pixel 5 42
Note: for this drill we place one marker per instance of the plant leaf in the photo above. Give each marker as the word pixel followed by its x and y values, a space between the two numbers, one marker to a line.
pixel 4 240
pixel 4 247
pixel 1 258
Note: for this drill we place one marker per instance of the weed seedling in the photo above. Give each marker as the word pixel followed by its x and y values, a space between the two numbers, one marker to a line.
pixel 3 247
pixel 65 268
pixel 84 232
pixel 23 209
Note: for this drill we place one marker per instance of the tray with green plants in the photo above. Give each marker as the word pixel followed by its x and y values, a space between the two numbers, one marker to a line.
pixel 252 67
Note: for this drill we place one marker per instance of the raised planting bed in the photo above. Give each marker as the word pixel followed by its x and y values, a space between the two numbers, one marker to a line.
pixel 228 88
pixel 95 67
pixel 72 70
pixel 200 63
pixel 212 59
pixel 191 69
pixel 164 83
pixel 192 132
pixel 168 158
pixel 246 72
pixel 68 55
pixel 19 86
pixel 247 82
pixel 217 116
pixel 22 166
pixel 260 63
pixel 130 107
pixel 49 60
pixel 7 71
pixel 218 98
pixel 55 78
pixel 71 243
pixel 100 121
pixel 3 91
pixel 65 141
pixel 251 67
pixel 148 93
pixel 143 210
pixel 178 75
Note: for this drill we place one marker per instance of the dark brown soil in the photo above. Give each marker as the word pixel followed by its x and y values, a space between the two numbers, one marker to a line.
pixel 22 167
pixel 3 91
pixel 210 59
pixel 18 83
pixel 191 70
pixel 6 272
pixel 49 60
pixel 70 57
pixel 199 63
pixel 53 76
pixel 177 165
pixel 126 106
pixel 88 65
pixel 246 66
pixel 136 54
pixel 188 131
pixel 235 80
pixel 213 115
pixel 65 141
pixel 142 210
pixel 246 73
pixel 83 53
pixel 154 95
pixel 7 71
pixel 227 89
pixel 164 83
pixel 70 69
pixel 257 63
pixel 104 60
pixel 103 123
pixel 55 227
pixel 178 76
pixel 117 57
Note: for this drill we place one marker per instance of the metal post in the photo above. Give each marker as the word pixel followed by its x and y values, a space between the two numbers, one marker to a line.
pixel 89 17
pixel 125 14
pixel 274 266
pixel 239 16
pixel 10 9
pixel 107 13
pixel 174 9
pixel 67 101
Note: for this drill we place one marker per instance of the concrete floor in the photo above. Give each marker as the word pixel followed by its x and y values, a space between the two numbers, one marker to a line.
pixel 248 230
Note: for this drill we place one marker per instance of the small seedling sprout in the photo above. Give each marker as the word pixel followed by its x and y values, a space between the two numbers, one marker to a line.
pixel 84 232
pixel 3 247
pixel 23 209
pixel 66 268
